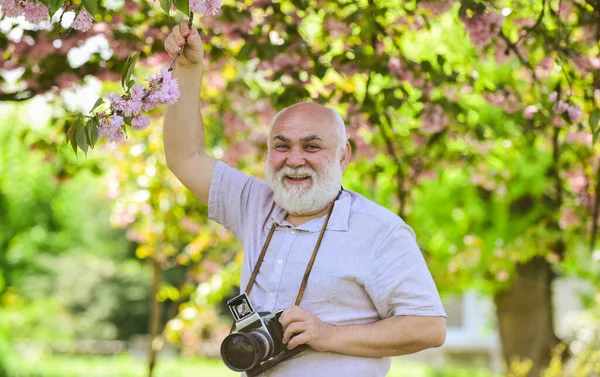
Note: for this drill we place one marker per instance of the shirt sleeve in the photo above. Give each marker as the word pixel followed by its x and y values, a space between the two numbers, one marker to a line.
pixel 398 280
pixel 237 201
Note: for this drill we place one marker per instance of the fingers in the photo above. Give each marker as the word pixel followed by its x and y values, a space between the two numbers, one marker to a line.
pixel 171 46
pixel 292 314
pixel 194 41
pixel 298 340
pixel 174 41
pixel 291 330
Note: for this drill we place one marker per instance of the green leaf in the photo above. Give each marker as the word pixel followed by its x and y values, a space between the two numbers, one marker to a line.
pixel 441 60
pixel 166 6
pixel 73 142
pixel 130 84
pixel 594 118
pixel 94 132
pixel 320 70
pixel 91 132
pixel 71 131
pixel 128 69
pixel 183 6
pixel 595 137
pixel 91 6
pixel 81 139
pixel 245 51
pixel 54 5
pixel 99 102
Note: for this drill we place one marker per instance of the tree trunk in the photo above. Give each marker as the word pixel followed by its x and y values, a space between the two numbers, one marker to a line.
pixel 525 316
pixel 155 315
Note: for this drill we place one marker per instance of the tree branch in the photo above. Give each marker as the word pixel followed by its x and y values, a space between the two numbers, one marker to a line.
pixel 18 96
pixel 596 211
pixel 537 23
pixel 513 47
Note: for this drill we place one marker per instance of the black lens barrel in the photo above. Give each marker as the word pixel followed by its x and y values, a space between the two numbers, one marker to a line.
pixel 243 351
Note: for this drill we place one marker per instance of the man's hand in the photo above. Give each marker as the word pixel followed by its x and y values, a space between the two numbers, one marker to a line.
pixel 193 52
pixel 302 327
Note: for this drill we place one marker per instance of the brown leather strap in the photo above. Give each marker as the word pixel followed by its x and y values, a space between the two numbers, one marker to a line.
pixel 260 259
pixel 312 259
pixel 257 267
pixel 308 267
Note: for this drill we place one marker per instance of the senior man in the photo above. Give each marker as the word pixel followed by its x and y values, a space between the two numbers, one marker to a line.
pixel 369 295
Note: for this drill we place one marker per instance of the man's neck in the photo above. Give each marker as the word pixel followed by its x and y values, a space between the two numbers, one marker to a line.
pixel 297 220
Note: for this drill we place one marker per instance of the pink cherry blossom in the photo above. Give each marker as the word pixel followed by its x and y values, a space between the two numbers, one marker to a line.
pixel 116 101
pixel 529 111
pixel 110 125
pixel 558 122
pixel 336 28
pixel 436 7
pixel 579 137
pixel 395 66
pixel 34 11
pixel 9 8
pixel 561 107
pixel 206 7
pixel 575 113
pixel 553 97
pixel 163 90
pixel 433 119
pixel 140 122
pixel 117 137
pixel 83 21
pixel 482 27
pixel 567 218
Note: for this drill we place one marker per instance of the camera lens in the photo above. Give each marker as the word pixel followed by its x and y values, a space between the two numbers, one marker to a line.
pixel 242 351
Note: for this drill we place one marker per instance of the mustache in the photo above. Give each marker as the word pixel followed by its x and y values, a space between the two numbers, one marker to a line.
pixel 300 171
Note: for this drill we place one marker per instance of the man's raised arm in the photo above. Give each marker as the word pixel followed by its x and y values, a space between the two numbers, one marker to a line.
pixel 183 130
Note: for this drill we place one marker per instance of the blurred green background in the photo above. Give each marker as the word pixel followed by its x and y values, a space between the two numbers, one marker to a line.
pixel 475 121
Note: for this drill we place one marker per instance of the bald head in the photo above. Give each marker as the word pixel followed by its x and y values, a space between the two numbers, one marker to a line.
pixel 327 118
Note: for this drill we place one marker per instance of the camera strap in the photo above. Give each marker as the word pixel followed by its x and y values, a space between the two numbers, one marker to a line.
pixel 308 267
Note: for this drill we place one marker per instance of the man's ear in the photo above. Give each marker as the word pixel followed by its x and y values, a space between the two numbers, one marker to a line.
pixel 345 160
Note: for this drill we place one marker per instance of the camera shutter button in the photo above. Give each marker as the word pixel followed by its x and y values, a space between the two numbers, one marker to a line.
pixel 280 261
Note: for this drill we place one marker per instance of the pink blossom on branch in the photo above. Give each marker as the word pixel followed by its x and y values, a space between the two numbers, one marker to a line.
pixel 436 7
pixel 33 11
pixel 434 119
pixel 140 122
pixel 83 21
pixel 163 90
pixel 483 27
pixel 206 7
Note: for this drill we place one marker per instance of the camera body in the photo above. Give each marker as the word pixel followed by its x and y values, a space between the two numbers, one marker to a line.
pixel 255 344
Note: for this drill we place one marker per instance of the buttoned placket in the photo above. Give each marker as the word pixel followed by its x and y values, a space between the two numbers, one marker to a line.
pixel 275 280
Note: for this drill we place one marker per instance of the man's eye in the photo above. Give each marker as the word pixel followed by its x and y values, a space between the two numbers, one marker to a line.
pixel 281 147
pixel 312 147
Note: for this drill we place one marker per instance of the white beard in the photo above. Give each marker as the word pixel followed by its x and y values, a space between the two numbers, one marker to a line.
pixel 301 199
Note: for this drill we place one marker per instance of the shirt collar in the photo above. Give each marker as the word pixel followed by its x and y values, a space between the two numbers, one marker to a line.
pixel 338 220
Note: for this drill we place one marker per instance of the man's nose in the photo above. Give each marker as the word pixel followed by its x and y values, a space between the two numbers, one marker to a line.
pixel 295 158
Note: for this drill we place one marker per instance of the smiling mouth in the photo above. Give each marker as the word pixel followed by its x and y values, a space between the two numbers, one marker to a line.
pixel 297 178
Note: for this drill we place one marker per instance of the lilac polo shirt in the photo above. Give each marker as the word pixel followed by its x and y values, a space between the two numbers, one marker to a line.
pixel 368 267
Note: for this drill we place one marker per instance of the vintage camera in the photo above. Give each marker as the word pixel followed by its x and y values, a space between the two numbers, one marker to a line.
pixel 255 343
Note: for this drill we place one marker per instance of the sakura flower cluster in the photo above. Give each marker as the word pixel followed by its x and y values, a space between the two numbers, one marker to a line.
pixel 433 118
pixel 83 21
pixel 561 107
pixel 162 90
pixel 483 27
pixel 33 11
pixel 205 7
